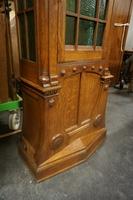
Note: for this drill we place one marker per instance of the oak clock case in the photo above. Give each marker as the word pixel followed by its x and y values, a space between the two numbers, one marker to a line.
pixel 64 81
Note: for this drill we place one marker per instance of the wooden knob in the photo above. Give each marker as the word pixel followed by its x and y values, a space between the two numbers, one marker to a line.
pixel 106 69
pixel 57 141
pixel 63 72
pixel 106 87
pixel 98 120
pixel 93 67
pixel 101 68
pixel 84 67
pixel 74 69
pixel 51 102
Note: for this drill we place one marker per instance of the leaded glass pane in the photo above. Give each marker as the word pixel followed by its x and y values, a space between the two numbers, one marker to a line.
pixel 103 8
pixel 88 7
pixel 100 34
pixel 31 36
pixel 86 32
pixel 22 36
pixel 20 4
pixel 70 30
pixel 29 3
pixel 71 5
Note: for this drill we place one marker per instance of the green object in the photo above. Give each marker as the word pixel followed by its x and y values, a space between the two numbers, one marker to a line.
pixel 86 32
pixel 100 35
pixel 11 105
pixel 71 5
pixel 103 9
pixel 88 8
pixel 70 30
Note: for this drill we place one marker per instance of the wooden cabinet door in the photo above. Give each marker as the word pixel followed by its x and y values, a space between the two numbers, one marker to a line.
pixel 83 30
pixel 121 15
pixel 82 27
pixel 89 93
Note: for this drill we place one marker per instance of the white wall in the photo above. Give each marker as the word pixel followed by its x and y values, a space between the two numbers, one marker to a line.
pixel 129 42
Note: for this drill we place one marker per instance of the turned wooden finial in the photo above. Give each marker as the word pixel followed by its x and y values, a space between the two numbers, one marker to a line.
pixel 84 67
pixel 74 69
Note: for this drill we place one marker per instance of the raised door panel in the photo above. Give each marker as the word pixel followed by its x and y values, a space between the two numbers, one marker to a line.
pixel 62 116
pixel 31 117
pixel 69 98
pixel 99 109
pixel 89 93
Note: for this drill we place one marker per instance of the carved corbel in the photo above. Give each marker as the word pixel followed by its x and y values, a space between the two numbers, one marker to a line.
pixel 51 95
pixel 106 78
pixel 48 81
pixel 54 80
pixel 52 87
pixel 45 81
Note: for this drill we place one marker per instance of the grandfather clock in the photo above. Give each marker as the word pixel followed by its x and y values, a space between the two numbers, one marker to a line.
pixel 64 79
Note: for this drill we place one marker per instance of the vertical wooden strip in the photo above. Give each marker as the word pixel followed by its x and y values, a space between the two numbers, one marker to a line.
pixel 77 27
pixel 53 24
pixel 96 28
pixel 26 31
pixel 61 29
pixel 42 36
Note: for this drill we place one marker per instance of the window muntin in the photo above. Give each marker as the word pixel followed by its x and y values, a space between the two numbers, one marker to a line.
pixel 90 22
pixel 25 13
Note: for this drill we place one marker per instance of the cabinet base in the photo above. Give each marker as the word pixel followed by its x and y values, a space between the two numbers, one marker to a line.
pixel 72 155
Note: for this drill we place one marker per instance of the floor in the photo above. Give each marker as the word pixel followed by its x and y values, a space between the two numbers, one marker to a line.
pixel 107 175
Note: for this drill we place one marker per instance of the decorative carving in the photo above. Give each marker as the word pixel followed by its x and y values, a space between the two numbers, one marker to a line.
pixel 97 120
pixel 54 80
pixel 106 77
pixel 51 102
pixel 106 86
pixel 74 69
pixel 93 67
pixel 100 68
pixel 106 71
pixel 63 72
pixel 57 141
pixel 48 81
pixel 51 93
pixel 45 81
pixel 84 67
